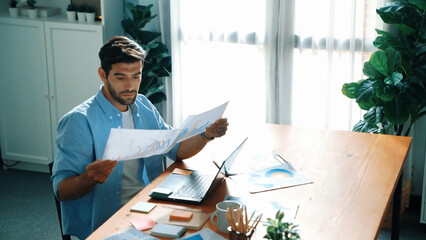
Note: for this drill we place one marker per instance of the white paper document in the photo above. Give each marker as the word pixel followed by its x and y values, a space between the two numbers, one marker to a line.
pixel 195 124
pixel 125 144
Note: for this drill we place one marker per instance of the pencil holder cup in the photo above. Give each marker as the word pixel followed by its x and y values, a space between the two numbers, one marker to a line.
pixel 221 209
pixel 234 235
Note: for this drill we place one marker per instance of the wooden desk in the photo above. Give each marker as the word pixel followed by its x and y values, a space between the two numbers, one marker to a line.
pixel 354 175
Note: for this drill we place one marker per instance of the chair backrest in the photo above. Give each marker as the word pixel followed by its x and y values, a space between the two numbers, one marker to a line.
pixel 58 209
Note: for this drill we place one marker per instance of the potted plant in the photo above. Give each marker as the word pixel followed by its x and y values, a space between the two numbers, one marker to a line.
pixel 32 11
pixel 277 229
pixel 90 14
pixel 71 13
pixel 13 8
pixel 81 13
pixel 158 61
pixel 394 92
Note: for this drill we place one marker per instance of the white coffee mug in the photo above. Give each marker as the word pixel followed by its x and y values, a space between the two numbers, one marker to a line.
pixel 221 209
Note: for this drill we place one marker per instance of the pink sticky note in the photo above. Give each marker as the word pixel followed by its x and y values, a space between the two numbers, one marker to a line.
pixel 142 223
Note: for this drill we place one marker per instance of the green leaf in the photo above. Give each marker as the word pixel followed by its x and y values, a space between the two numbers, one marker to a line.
pixel 396 77
pixel 379 62
pixel 362 126
pixel 385 92
pixel 406 30
pixel 159 51
pixel 396 110
pixel 145 37
pixel 157 97
pixel 365 95
pixel 399 12
pixel 371 72
pixel 393 59
pixel 419 3
pixel 350 90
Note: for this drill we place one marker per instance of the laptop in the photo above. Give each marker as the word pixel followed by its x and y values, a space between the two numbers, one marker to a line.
pixel 192 186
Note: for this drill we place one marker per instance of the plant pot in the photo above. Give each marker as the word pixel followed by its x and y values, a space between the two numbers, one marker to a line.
pixel 33 13
pixel 71 16
pixel 90 17
pixel 81 17
pixel 14 12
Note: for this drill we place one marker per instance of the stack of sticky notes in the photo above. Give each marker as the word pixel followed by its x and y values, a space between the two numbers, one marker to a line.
pixel 179 215
pixel 143 207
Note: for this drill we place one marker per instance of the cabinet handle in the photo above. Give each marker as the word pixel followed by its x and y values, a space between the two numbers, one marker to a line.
pixel 51 96
pixel 47 95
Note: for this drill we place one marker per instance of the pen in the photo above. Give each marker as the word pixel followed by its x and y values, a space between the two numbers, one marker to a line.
pixel 281 159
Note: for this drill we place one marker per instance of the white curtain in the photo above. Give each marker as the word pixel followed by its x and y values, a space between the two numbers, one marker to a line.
pixel 277 61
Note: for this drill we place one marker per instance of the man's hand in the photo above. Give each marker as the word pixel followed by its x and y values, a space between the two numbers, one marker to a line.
pixel 99 170
pixel 77 186
pixel 217 129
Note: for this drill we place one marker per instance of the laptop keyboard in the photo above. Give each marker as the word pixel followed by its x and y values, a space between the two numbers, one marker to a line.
pixel 196 185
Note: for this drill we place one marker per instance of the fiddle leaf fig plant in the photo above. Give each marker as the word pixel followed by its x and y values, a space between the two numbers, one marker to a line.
pixel 394 92
pixel 157 64
pixel 277 229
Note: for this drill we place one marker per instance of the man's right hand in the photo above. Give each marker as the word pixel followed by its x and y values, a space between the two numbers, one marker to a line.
pixel 77 186
pixel 99 170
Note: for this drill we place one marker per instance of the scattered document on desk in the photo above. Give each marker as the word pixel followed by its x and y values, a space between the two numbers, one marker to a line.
pixel 125 144
pixel 130 233
pixel 270 178
pixel 250 161
pixel 268 208
pixel 205 234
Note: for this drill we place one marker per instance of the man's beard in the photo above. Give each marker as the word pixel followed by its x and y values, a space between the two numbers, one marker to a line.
pixel 117 96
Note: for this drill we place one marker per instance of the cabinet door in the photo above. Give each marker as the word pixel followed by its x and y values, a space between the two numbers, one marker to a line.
pixel 24 99
pixel 73 62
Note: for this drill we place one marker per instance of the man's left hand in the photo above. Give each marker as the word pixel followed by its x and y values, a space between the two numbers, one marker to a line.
pixel 217 129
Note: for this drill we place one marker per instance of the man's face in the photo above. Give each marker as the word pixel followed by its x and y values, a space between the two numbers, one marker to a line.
pixel 122 83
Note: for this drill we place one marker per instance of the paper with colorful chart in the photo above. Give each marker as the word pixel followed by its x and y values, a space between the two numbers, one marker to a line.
pixel 196 124
pixel 270 178
pixel 125 144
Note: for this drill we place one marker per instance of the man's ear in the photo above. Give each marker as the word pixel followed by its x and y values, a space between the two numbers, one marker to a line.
pixel 102 74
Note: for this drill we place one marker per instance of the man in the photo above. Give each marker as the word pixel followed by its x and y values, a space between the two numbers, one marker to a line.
pixel 90 189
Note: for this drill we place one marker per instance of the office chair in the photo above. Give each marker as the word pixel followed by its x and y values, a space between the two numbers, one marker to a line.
pixel 58 209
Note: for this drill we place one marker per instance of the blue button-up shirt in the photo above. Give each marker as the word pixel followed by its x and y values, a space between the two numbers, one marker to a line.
pixel 82 136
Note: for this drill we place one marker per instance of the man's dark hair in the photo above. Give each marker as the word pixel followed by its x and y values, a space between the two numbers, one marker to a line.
pixel 120 49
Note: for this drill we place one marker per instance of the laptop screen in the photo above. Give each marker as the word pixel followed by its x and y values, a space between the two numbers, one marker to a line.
pixel 227 164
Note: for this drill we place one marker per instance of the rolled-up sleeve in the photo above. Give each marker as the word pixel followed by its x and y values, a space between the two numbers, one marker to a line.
pixel 74 144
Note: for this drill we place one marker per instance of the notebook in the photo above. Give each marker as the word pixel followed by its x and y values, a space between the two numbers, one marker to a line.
pixel 162 213
pixel 192 186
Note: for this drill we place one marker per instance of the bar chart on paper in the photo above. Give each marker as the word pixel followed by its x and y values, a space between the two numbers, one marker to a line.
pixel 195 124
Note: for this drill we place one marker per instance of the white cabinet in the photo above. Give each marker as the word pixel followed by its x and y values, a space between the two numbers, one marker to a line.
pixel 24 92
pixel 47 67
pixel 72 57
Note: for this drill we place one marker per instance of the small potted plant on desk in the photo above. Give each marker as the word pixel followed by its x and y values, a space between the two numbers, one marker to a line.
pixel 90 14
pixel 81 13
pixel 277 229
pixel 32 11
pixel 71 13
pixel 13 9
